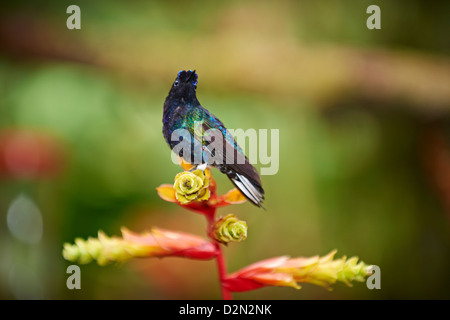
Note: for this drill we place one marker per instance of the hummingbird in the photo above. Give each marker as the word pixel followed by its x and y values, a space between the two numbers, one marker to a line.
pixel 184 113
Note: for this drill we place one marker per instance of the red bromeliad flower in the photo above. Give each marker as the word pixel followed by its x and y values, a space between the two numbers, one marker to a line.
pixel 170 243
pixel 234 196
pixel 197 201
pixel 286 272
pixel 196 190
pixel 258 275
pixel 157 243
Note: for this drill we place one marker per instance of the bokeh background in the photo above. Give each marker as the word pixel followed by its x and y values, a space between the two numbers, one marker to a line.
pixel 364 139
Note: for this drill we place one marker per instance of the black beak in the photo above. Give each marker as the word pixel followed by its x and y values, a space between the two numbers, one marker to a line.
pixel 191 76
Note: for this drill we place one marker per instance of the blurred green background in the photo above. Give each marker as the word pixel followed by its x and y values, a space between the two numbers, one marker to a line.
pixel 364 139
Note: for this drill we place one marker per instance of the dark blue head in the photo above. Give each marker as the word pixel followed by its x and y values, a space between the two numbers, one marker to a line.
pixel 186 77
pixel 184 87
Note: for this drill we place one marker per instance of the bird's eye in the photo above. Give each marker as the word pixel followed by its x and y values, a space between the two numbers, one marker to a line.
pixel 175 83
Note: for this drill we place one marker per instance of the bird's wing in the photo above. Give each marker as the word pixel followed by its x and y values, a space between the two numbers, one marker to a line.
pixel 232 156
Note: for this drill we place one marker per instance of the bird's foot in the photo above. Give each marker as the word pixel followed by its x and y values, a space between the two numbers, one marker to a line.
pixel 201 167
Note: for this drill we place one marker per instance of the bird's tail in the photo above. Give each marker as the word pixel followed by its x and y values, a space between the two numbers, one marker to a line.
pixel 252 190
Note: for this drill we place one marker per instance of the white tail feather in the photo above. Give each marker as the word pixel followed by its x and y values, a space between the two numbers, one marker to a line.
pixel 248 189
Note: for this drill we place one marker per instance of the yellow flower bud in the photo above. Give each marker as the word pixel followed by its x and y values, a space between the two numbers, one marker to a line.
pixel 229 229
pixel 190 186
